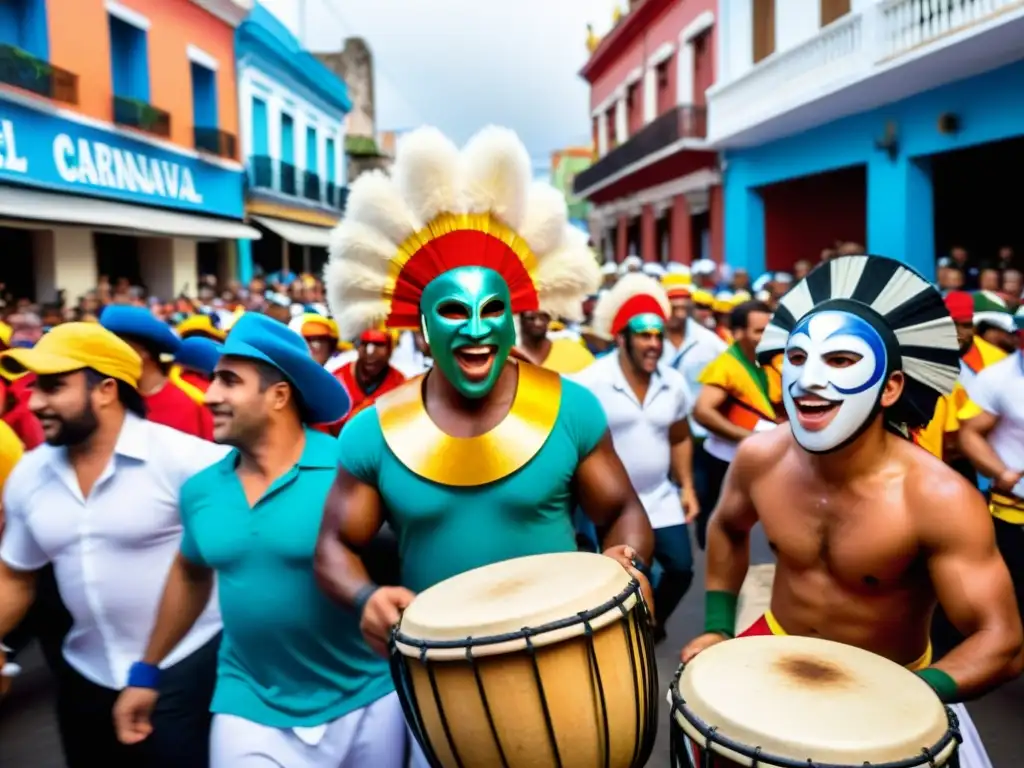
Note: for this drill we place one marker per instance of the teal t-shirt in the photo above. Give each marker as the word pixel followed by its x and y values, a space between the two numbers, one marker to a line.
pixel 444 530
pixel 289 656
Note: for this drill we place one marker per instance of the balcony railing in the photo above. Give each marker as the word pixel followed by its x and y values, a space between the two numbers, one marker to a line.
pixel 908 24
pixel 215 141
pixel 311 187
pixel 682 122
pixel 145 117
pixel 270 173
pixel 22 70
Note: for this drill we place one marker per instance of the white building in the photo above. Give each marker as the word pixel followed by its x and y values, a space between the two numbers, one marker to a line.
pixel 292 117
pixel 880 92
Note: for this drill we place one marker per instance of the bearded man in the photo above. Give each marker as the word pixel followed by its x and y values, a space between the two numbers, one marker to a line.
pixel 870 532
pixel 484 458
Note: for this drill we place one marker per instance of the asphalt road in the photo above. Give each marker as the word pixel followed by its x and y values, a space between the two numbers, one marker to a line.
pixel 28 736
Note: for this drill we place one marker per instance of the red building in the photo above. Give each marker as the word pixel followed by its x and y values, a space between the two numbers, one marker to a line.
pixel 655 186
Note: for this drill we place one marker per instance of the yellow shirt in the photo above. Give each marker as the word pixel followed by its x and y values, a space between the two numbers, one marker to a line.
pixel 932 436
pixel 567 356
pixel 11 451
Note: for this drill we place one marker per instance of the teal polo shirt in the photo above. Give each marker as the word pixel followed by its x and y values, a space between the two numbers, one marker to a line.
pixel 289 656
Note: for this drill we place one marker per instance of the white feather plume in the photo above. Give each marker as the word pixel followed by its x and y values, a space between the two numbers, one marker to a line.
pixel 375 201
pixel 544 220
pixel 629 285
pixel 496 174
pixel 426 172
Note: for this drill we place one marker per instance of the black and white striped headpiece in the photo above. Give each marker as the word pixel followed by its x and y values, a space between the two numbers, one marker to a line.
pixel 906 309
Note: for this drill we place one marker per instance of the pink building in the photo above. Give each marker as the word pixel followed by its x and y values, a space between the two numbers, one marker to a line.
pixel 655 185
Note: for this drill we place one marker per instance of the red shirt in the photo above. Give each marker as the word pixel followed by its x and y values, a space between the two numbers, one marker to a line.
pixel 197 380
pixel 360 399
pixel 16 413
pixel 173 408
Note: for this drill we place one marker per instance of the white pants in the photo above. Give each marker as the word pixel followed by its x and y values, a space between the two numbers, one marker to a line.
pixel 972 751
pixel 372 737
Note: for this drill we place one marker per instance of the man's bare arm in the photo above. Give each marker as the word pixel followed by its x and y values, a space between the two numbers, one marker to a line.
pixel 352 517
pixel 186 594
pixel 706 412
pixel 17 593
pixel 972 584
pixel 974 444
pixel 728 544
pixel 606 495
pixel 681 452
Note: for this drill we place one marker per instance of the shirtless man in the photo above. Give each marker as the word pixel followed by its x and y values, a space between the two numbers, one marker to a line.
pixel 869 531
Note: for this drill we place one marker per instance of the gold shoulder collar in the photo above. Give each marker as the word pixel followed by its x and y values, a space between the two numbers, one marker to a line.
pixel 424 449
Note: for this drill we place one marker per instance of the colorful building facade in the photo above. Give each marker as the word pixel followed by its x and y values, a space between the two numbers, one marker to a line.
pixel 293 112
pixel 118 151
pixel 566 165
pixel 654 186
pixel 859 121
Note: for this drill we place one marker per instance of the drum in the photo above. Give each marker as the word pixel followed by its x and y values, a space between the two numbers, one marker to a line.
pixel 538 662
pixel 800 702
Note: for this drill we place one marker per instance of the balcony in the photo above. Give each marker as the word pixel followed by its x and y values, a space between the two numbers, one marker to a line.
pixel 890 50
pixel 268 173
pixel 22 70
pixel 142 116
pixel 215 142
pixel 674 128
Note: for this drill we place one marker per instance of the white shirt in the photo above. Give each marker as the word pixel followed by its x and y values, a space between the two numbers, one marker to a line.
pixel 700 346
pixel 640 431
pixel 997 390
pixel 112 551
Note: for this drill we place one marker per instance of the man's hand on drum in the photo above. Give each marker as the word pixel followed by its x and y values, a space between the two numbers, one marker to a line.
pixel 699 643
pixel 381 613
pixel 625 555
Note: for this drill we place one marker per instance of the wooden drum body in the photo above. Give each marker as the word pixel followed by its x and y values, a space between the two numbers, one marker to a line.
pixel 538 662
pixel 800 702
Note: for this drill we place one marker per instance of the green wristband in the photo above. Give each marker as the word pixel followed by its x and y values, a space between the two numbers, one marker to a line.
pixel 940 682
pixel 720 613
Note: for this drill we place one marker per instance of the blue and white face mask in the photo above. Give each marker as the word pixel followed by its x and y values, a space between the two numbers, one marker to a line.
pixel 835 368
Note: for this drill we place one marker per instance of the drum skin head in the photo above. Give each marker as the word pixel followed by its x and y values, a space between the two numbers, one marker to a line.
pixel 803 698
pixel 508 596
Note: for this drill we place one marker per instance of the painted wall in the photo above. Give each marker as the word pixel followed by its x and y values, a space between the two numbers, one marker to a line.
pixel 899 191
pixel 666 28
pixel 80 42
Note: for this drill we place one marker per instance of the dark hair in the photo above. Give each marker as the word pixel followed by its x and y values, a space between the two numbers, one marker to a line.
pixel 739 318
pixel 152 350
pixel 269 375
pixel 127 395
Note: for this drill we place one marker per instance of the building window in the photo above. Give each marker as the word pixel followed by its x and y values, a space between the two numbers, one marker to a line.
pixel 634 109
pixel 703 66
pixel 129 60
pixel 764 29
pixel 666 88
pixel 288 182
pixel 613 129
pixel 260 132
pixel 330 160
pixel 23 26
pixel 833 9
pixel 204 96
pixel 311 178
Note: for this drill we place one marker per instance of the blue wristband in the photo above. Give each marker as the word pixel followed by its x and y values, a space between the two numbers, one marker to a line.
pixel 143 675
pixel 363 597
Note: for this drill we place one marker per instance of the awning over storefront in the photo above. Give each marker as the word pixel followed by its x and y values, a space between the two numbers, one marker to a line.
pixel 33 205
pixel 294 232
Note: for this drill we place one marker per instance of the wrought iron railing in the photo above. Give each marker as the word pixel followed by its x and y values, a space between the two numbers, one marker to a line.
pixel 145 117
pixel 215 141
pixel 23 70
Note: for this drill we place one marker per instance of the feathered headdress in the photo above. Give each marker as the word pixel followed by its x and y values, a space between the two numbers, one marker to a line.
pixel 440 209
pixel 894 299
pixel 634 294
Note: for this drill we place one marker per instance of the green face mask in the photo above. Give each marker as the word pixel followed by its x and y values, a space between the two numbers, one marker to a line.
pixel 468 307
pixel 648 322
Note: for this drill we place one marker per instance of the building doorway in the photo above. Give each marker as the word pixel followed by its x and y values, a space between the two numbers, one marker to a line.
pixel 804 216
pixel 117 258
pixel 972 209
pixel 19 279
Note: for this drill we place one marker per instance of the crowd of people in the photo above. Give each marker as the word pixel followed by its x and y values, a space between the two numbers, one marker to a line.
pixel 216 508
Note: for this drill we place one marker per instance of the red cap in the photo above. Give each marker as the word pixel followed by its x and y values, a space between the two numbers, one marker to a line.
pixel 960 306
pixel 375 337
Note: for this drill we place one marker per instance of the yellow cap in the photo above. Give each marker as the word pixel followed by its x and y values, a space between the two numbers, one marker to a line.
pixel 6 332
pixel 677 285
pixel 201 324
pixel 314 325
pixel 703 299
pixel 740 297
pixel 74 346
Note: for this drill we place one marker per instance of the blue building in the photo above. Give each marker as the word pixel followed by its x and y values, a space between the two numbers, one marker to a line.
pixel 868 122
pixel 293 112
pixel 117 157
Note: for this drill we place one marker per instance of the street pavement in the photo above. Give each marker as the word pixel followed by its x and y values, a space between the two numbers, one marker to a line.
pixel 28 735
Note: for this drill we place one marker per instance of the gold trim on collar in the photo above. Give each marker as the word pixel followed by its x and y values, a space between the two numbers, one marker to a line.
pixel 434 455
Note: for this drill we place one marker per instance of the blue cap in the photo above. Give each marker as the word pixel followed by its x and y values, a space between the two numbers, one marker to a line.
pixel 139 323
pixel 199 353
pixel 322 397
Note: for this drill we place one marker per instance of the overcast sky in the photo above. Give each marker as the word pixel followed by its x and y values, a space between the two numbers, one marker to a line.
pixel 462 64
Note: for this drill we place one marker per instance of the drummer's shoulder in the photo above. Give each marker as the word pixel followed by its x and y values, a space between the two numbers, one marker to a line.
pixel 582 415
pixel 763 449
pixel 361 441
pixel 931 488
